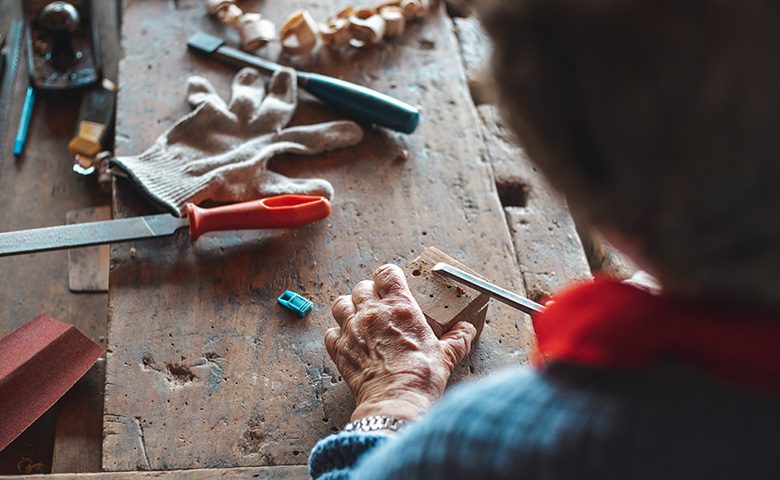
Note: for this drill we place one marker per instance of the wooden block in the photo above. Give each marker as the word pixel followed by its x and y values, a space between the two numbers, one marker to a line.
pixel 443 301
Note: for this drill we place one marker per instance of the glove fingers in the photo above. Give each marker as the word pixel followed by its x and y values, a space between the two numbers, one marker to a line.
pixel 265 184
pixel 279 106
pixel 277 184
pixel 322 137
pixel 247 94
pixel 200 90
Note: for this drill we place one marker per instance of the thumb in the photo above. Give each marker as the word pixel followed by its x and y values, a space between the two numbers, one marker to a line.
pixel 456 343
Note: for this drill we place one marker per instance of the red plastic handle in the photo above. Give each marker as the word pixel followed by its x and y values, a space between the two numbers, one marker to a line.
pixel 283 211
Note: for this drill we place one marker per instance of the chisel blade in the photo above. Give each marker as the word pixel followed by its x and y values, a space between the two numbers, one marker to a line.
pixel 512 299
pixel 86 234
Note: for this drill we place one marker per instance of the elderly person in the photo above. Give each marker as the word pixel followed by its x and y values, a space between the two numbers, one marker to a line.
pixel 659 121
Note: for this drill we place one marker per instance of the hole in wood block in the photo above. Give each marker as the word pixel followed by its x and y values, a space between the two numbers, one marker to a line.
pixel 416 272
pixel 512 194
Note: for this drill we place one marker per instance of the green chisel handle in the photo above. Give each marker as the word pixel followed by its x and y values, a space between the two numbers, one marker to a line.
pixel 354 100
pixel 361 103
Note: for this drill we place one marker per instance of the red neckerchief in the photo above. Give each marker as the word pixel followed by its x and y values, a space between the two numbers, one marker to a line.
pixel 613 325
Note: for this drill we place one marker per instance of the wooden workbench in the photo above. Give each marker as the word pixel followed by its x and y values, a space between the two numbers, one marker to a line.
pixel 204 369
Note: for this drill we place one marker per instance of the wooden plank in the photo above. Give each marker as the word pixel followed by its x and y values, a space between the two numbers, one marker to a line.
pixel 475 51
pixel 548 246
pixel 78 433
pixel 88 266
pixel 204 368
pixel 35 191
pixel 260 473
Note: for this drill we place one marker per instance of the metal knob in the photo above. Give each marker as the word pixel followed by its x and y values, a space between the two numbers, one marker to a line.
pixel 59 17
pixel 60 20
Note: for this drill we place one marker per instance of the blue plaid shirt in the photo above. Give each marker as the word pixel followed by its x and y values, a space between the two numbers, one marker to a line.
pixel 572 422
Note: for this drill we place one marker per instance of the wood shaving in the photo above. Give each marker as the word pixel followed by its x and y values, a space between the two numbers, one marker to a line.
pixel 299 34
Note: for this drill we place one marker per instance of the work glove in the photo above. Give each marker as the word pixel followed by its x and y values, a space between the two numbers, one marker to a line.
pixel 220 152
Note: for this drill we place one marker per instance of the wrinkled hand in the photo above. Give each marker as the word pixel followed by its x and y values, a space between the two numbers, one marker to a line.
pixel 387 353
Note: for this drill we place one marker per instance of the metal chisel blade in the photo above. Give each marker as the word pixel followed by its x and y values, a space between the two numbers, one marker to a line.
pixel 86 234
pixel 502 295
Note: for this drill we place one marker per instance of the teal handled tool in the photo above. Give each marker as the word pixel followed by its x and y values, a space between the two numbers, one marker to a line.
pixel 355 100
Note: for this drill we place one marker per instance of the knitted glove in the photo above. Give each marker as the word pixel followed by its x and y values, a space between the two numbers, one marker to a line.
pixel 220 152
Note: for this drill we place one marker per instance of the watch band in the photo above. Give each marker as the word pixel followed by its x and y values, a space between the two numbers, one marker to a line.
pixel 374 423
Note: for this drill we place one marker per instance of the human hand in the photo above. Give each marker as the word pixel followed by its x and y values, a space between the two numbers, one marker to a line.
pixel 387 352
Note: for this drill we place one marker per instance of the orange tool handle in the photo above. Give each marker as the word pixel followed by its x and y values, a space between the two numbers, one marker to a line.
pixel 283 211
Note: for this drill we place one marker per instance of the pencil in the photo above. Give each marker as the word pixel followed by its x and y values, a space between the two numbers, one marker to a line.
pixel 24 121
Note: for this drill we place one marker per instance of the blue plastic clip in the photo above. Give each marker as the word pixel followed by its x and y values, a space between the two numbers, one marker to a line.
pixel 296 303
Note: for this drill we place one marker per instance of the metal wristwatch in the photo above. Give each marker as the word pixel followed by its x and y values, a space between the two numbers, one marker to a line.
pixel 374 423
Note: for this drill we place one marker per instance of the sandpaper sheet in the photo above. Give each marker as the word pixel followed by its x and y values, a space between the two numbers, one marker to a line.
pixel 39 362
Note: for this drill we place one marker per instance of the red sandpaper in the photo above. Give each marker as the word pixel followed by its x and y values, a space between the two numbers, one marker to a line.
pixel 39 362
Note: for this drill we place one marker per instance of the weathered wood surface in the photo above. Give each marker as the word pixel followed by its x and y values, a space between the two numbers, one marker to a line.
pixel 77 435
pixel 88 266
pixel 475 50
pixel 38 190
pixel 243 473
pixel 204 368
pixel 548 246
pixel 549 250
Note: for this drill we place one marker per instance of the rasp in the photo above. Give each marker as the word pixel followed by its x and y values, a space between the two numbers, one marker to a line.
pixel 283 211
pixel 502 295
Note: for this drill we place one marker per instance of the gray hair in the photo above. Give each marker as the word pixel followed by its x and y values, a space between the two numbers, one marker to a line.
pixel 659 120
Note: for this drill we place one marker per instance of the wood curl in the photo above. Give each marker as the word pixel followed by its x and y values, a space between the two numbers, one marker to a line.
pixel 299 34
pixel 253 30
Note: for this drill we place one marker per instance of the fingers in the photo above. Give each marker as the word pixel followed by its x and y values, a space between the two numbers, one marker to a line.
pixel 270 183
pixel 321 137
pixel 279 105
pixel 247 94
pixel 343 309
pixel 331 336
pixel 390 281
pixel 457 342
pixel 362 292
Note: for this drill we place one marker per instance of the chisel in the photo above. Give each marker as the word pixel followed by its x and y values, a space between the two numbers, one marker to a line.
pixel 283 211
pixel 355 100
pixel 505 296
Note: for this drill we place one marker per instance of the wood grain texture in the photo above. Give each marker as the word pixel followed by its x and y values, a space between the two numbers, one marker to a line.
pixel 88 266
pixel 475 50
pixel 443 301
pixel 259 473
pixel 78 432
pixel 204 368
pixel 548 246
pixel 38 190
